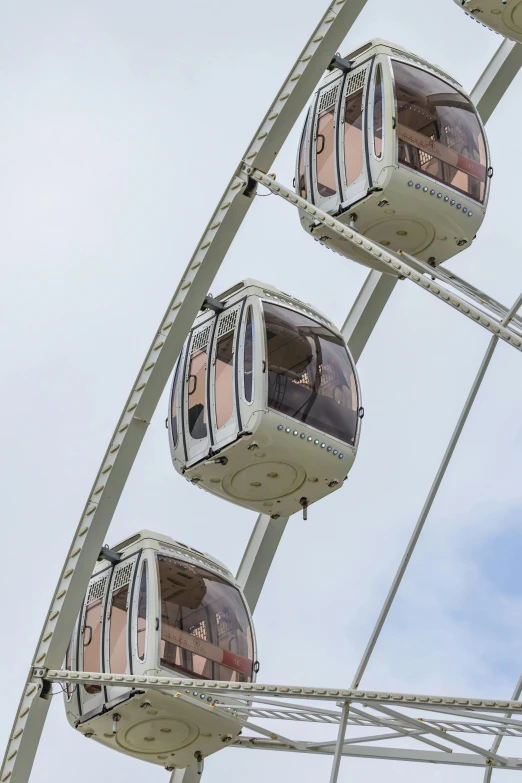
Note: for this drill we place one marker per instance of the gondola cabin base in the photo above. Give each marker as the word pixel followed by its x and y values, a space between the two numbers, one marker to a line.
pixel 394 147
pixel 501 17
pixel 163 610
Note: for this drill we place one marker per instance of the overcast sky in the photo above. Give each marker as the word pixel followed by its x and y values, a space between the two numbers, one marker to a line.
pixel 122 121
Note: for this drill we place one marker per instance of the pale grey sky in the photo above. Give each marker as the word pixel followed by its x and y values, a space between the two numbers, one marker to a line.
pixel 122 123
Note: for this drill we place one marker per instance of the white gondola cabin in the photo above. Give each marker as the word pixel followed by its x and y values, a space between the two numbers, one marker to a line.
pixel 501 16
pixel 394 146
pixel 265 406
pixel 158 607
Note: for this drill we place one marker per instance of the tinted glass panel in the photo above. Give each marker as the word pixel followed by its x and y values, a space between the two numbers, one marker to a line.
pixel 92 642
pixel 248 356
pixel 310 375
pixel 197 412
pixel 69 667
pixel 141 624
pixel 353 137
pixel 301 174
pixel 378 106
pixel 325 161
pixel 118 631
pixel 174 410
pixel 438 131
pixel 205 630
pixel 224 379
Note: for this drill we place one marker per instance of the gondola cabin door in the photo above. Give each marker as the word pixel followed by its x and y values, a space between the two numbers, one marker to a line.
pixel 324 147
pixel 90 641
pixel 222 381
pixel 353 160
pixel 195 393
pixel 117 638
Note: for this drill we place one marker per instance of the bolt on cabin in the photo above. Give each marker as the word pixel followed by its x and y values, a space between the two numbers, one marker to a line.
pixel 159 607
pixel 501 16
pixel 393 146
pixel 265 407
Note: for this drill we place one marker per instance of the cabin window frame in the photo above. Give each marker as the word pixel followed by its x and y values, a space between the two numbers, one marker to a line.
pixel 354 191
pixel 249 308
pixel 331 201
pixel 414 172
pixel 378 69
pixel 85 696
pixel 175 394
pixel 353 366
pixel 196 449
pixel 205 566
pixel 222 436
pixel 141 565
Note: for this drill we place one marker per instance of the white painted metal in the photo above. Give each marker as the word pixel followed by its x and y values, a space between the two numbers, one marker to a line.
pixel 258 556
pixel 243 701
pixel 496 78
pixel 339 743
pixel 498 739
pixel 469 304
pixel 501 16
pixel 141 404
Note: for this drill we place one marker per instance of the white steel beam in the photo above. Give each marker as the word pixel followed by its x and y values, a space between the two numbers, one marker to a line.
pixel 496 79
pixel 498 739
pixel 470 305
pixel 251 691
pixel 383 753
pixel 429 500
pixel 366 311
pixel 258 556
pixel 152 378
pixel 339 745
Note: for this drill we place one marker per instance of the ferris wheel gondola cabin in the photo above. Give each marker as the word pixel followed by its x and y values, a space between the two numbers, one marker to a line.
pixel 501 16
pixel 393 146
pixel 265 406
pixel 158 607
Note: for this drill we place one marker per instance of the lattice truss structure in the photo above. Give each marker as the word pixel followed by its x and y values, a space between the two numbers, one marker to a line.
pixel 435 729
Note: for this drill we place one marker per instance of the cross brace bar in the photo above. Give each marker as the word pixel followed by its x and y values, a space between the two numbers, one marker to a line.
pixel 469 305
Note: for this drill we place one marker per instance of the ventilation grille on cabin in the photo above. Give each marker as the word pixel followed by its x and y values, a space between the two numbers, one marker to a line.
pixel 356 81
pixel 227 322
pixel 122 576
pixel 200 340
pixel 97 590
pixel 329 97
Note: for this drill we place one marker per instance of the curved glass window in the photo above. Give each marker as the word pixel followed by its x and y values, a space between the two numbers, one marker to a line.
pixel 118 630
pixel 69 688
pixel 174 405
pixel 141 621
pixel 324 153
pixel 205 630
pixel 197 411
pixel 439 132
pixel 378 113
pixel 310 376
pixel 301 189
pixel 224 388
pixel 248 356
pixel 92 641
pixel 353 137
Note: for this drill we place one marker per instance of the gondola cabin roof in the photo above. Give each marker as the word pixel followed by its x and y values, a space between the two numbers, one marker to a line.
pixel 169 546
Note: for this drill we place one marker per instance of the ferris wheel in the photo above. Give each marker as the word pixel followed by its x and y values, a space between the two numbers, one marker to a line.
pixel 152 640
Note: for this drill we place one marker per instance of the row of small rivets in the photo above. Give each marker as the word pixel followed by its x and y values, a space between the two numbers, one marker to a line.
pixel 310 439
pixel 399 266
pixel 432 192
pixel 355 695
